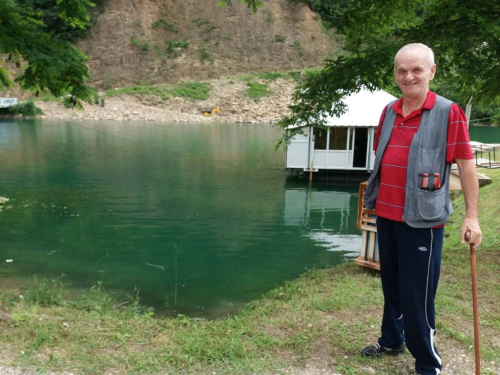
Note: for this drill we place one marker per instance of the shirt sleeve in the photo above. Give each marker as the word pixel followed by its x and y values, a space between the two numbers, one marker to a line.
pixel 458 146
pixel 379 130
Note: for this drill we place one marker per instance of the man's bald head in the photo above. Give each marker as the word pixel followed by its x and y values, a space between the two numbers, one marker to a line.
pixel 413 47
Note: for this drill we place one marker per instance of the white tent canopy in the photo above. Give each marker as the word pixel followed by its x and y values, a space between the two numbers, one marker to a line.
pixel 363 109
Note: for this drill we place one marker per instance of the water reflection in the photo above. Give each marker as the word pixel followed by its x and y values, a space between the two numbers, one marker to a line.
pixel 326 216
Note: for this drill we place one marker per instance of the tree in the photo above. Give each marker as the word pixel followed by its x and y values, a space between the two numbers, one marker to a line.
pixel 51 63
pixel 465 37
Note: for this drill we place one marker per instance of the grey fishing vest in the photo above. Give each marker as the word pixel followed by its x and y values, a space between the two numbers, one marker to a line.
pixel 423 209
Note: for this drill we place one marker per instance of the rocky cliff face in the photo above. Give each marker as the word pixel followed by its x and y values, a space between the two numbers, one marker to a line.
pixel 156 41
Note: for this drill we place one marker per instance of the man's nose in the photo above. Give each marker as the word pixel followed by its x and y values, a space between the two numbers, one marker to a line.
pixel 409 76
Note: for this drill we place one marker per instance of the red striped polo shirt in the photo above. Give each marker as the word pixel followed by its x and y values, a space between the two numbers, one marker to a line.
pixel 391 196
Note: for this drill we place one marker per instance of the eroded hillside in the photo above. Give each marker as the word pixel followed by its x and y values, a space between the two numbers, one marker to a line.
pixel 156 41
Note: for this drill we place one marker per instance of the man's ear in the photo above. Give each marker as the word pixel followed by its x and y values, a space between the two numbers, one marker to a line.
pixel 433 71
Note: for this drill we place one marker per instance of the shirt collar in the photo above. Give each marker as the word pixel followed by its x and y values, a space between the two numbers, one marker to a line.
pixel 428 104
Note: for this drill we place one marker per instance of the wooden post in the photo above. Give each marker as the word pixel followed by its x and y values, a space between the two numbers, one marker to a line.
pixel 468 109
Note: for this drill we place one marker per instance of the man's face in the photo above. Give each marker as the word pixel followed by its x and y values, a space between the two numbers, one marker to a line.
pixel 413 73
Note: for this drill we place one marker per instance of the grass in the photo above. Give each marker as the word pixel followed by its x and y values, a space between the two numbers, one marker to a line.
pixel 327 313
pixel 190 90
pixel 257 90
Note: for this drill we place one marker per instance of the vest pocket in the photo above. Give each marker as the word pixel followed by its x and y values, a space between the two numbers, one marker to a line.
pixel 428 158
pixel 431 205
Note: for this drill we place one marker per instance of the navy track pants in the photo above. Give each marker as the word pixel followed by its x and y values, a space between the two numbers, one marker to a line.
pixel 410 264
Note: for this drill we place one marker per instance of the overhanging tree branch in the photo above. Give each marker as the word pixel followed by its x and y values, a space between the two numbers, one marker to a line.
pixel 52 64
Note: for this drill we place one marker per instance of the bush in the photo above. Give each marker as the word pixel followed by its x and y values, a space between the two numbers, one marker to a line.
pixel 142 45
pixel 25 109
pixel 165 24
pixel 173 46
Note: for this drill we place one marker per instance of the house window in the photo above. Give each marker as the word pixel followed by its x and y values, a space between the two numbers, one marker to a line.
pixel 338 138
pixel 320 138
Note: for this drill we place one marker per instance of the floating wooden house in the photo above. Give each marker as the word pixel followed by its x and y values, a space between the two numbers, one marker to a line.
pixel 347 144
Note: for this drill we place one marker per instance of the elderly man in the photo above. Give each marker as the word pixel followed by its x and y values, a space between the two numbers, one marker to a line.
pixel 419 135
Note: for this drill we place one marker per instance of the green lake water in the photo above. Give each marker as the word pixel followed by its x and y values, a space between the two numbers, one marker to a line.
pixel 200 218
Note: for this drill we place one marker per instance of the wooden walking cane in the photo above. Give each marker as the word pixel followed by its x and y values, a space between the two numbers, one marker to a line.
pixel 475 308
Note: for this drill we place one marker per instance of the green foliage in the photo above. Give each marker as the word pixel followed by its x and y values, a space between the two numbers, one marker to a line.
pixel 258 90
pixel 143 45
pixel 66 20
pixel 374 32
pixel 165 25
pixel 192 90
pixel 45 294
pixel 75 12
pixel 53 64
pixel 4 78
pixel 25 109
pixel 204 54
pixel 482 112
pixel 173 47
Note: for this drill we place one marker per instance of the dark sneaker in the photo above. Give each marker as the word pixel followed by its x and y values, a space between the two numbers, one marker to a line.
pixel 377 350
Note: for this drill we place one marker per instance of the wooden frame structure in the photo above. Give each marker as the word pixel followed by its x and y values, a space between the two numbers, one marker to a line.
pixel 366 222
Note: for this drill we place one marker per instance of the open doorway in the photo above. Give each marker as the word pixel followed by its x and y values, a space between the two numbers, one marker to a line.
pixel 360 148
